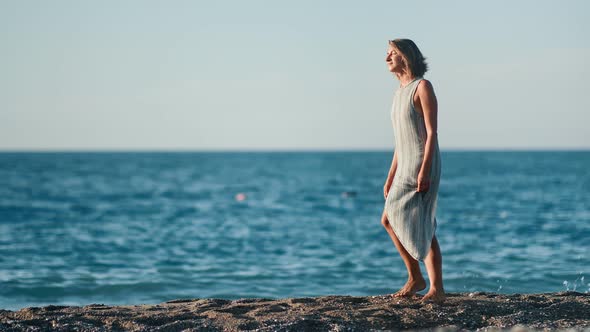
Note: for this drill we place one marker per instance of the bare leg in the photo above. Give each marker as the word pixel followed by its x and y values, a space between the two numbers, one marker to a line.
pixel 415 281
pixel 433 262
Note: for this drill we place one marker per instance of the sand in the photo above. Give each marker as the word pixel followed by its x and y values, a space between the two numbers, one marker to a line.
pixel 461 311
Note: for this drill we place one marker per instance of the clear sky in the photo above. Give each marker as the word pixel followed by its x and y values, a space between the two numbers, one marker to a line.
pixel 284 75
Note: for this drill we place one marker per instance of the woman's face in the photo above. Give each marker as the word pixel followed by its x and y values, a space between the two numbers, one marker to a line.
pixel 394 60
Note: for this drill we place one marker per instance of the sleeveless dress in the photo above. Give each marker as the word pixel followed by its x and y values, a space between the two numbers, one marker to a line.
pixel 411 214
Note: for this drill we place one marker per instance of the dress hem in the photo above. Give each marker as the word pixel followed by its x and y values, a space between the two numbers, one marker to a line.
pixel 402 243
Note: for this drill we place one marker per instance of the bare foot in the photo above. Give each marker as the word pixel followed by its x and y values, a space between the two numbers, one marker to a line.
pixel 434 295
pixel 410 288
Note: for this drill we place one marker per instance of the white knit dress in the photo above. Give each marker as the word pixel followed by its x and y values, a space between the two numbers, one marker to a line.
pixel 410 213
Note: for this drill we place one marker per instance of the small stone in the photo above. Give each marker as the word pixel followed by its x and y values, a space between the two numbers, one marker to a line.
pixel 519 328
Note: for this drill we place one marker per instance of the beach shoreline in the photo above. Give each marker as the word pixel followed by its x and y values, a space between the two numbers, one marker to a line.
pixel 461 311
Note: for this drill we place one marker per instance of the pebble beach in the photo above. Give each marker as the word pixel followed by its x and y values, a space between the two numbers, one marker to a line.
pixel 480 311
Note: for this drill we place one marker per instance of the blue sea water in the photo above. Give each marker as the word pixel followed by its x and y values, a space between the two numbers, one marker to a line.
pixel 130 228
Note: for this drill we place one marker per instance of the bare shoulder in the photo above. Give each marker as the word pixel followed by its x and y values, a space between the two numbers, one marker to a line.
pixel 425 88
pixel 425 84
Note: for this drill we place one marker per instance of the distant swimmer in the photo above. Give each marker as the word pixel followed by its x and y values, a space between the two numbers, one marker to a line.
pixel 348 194
pixel 240 197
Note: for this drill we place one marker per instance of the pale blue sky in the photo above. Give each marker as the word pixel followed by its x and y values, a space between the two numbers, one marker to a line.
pixel 256 75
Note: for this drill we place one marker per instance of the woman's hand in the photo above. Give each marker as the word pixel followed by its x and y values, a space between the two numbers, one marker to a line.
pixel 423 182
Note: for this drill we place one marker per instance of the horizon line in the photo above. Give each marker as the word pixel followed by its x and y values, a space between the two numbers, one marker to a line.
pixel 283 150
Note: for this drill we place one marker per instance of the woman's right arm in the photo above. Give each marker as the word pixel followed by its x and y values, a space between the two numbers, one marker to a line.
pixel 391 174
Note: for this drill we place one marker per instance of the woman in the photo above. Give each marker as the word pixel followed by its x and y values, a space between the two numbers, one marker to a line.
pixel 411 188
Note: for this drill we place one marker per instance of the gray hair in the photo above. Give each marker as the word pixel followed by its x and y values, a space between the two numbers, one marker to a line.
pixel 414 59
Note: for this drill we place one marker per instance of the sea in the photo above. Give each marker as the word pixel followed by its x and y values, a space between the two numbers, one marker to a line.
pixel 116 228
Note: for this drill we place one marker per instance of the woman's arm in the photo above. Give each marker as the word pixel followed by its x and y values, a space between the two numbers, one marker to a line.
pixel 429 107
pixel 390 175
pixel 392 169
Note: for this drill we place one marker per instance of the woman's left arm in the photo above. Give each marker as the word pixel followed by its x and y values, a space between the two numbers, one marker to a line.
pixel 429 107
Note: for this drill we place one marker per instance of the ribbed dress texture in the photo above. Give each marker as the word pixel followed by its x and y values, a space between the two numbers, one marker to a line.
pixel 411 214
